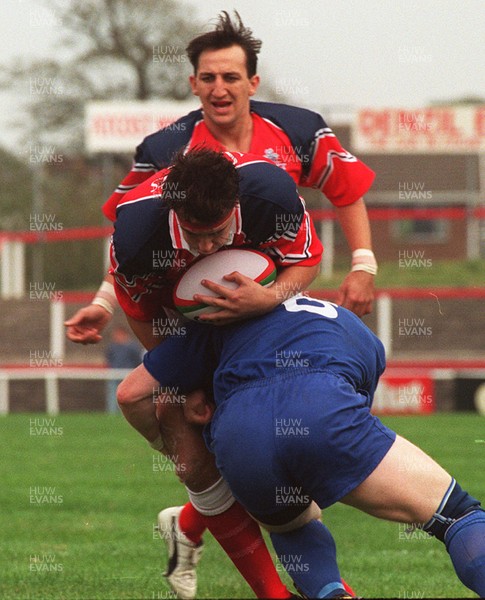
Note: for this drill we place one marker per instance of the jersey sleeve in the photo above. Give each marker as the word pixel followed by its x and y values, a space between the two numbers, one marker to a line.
pixel 185 362
pixel 275 218
pixel 142 286
pixel 141 297
pixel 342 177
pixel 154 153
pixel 326 166
pixel 143 168
pixel 296 245
pixel 142 290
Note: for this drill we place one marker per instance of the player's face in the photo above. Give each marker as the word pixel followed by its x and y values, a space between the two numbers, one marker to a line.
pixel 211 239
pixel 223 86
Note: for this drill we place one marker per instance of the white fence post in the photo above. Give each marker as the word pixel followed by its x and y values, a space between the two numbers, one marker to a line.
pixel 4 403
pixel 328 241
pixel 57 334
pixel 13 269
pixel 52 393
pixel 106 259
pixel 384 322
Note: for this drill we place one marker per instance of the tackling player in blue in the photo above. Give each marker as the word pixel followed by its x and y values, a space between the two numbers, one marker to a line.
pixel 292 427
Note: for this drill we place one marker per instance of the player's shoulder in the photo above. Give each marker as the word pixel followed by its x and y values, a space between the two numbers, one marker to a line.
pixel 149 189
pixel 162 145
pixel 294 120
pixel 247 163
pixel 260 177
pixel 137 246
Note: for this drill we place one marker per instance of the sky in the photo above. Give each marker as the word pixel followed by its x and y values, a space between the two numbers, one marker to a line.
pixel 328 55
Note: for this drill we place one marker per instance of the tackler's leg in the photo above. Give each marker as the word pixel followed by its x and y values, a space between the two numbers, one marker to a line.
pixel 410 487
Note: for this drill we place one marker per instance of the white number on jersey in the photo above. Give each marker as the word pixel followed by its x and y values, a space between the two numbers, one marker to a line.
pixel 319 307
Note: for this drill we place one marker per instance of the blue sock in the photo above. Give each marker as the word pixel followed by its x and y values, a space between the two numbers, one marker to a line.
pixel 465 542
pixel 308 555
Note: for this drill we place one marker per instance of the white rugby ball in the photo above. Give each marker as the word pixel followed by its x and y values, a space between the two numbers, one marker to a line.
pixel 251 263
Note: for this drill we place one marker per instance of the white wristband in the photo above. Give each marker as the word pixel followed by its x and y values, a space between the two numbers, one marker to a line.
pixel 363 259
pixel 106 297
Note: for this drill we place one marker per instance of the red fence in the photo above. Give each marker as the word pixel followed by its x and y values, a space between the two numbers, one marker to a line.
pixel 375 214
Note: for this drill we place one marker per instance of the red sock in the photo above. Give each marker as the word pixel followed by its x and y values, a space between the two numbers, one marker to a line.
pixel 240 537
pixel 192 523
pixel 348 589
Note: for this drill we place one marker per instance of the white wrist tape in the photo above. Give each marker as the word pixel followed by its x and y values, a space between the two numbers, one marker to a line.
pixel 364 260
pixel 106 297
pixel 214 500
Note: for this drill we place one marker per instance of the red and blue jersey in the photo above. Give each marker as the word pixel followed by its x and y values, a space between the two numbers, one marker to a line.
pixel 296 139
pixel 149 252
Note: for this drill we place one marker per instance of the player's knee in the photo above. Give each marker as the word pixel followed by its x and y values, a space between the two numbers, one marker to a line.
pixel 125 393
pixel 456 504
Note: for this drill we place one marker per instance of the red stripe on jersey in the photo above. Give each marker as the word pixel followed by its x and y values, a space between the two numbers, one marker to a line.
pixel 305 249
pixel 147 189
pixel 131 181
pixel 175 231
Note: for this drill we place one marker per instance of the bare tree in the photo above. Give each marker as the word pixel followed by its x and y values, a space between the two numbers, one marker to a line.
pixel 108 49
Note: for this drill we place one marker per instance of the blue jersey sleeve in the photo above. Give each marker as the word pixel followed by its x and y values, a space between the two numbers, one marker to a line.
pixel 270 204
pixel 300 125
pixel 139 231
pixel 186 361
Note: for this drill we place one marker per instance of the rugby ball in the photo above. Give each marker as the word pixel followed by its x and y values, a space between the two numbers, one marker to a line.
pixel 251 263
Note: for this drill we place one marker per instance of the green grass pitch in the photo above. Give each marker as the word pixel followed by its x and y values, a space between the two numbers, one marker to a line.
pixel 79 496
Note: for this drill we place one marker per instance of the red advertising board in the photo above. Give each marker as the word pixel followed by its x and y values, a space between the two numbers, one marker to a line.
pixel 118 127
pixel 458 129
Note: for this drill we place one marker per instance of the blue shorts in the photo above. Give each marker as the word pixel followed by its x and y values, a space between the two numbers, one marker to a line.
pixel 283 441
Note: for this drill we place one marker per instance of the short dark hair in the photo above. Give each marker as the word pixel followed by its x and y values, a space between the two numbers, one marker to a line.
pixel 225 35
pixel 202 186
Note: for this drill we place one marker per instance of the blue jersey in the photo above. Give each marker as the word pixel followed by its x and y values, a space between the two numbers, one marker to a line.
pixel 293 390
pixel 301 335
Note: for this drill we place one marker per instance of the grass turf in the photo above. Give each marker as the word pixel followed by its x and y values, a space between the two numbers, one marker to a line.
pixel 440 273
pixel 80 494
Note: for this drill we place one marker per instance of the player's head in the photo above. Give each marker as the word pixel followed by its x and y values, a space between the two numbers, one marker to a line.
pixel 224 76
pixel 226 34
pixel 202 188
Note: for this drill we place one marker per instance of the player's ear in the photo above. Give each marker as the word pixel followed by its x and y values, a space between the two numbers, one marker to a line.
pixel 253 84
pixel 193 85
